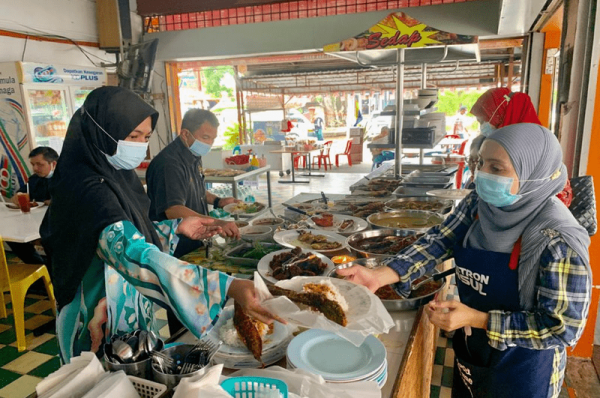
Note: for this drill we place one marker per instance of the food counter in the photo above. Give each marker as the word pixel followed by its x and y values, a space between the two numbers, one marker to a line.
pixel 410 344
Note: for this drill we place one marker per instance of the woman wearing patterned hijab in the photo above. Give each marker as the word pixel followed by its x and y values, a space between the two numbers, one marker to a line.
pixel 522 268
pixel 110 263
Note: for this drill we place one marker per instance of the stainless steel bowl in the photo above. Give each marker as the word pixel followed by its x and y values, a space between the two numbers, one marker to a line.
pixel 445 205
pixel 431 218
pixel 177 353
pixel 352 240
pixel 409 304
pixel 406 304
pixel 142 369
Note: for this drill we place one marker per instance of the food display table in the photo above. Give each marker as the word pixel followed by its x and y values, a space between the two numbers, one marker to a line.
pixel 410 344
pixel 236 179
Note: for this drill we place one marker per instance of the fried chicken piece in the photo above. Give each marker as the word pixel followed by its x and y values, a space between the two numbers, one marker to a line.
pixel 248 332
pixel 331 309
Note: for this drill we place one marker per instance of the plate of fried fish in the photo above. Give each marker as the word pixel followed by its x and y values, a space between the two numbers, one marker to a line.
pixel 286 264
pixel 311 239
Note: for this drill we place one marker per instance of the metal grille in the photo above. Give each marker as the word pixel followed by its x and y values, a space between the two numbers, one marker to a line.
pixel 278 12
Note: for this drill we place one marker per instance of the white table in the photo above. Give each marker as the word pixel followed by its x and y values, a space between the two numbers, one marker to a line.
pixel 22 228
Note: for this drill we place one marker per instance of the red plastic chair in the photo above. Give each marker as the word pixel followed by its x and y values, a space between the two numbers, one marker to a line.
pixel 346 152
pixel 324 156
pixel 297 157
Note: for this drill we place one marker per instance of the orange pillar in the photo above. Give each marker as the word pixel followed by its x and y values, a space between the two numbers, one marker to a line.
pixel 552 41
pixel 585 347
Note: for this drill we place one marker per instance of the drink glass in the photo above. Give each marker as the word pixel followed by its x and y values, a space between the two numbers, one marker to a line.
pixel 24 203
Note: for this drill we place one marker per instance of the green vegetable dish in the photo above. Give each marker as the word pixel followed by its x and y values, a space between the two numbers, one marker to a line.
pixel 258 251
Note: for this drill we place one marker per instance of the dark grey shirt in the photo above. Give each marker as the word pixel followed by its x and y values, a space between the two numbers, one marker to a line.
pixel 174 178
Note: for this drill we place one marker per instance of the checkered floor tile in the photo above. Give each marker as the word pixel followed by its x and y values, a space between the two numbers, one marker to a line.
pixel 21 371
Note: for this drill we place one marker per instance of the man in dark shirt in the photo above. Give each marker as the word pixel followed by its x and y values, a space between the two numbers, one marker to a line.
pixel 175 180
pixel 43 161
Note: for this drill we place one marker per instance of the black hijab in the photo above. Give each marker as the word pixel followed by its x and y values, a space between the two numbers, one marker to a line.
pixel 89 194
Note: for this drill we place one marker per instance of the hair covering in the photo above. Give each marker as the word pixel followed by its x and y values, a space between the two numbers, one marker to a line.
pixel 88 194
pixel 494 107
pixel 536 156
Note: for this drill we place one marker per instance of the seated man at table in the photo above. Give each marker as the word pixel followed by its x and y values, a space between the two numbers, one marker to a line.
pixel 43 162
pixel 175 180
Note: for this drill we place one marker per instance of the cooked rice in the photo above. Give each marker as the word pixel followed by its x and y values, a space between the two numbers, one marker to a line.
pixel 329 290
pixel 230 336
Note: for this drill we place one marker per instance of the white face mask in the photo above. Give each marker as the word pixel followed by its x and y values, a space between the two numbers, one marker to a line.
pixel 51 173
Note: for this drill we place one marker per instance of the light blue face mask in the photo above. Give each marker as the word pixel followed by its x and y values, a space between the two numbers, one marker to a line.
pixel 487 129
pixel 495 190
pixel 130 154
pixel 199 148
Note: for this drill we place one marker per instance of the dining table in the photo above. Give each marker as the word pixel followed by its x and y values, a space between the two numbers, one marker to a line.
pixel 16 226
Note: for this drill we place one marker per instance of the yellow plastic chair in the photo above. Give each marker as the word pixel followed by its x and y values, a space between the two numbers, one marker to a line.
pixel 17 278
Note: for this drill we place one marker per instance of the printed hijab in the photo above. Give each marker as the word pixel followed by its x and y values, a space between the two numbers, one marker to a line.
pixel 536 156
pixel 88 194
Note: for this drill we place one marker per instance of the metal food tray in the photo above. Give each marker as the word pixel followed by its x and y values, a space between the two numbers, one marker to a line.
pixel 447 204
pixel 231 254
pixel 417 190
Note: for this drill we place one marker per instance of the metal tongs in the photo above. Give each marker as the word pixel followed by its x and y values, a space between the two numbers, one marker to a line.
pixel 434 277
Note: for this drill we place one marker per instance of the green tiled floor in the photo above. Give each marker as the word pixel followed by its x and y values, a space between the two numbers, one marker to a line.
pixel 39 360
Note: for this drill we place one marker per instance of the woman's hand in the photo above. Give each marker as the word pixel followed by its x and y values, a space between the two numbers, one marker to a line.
pixel 243 292
pixel 373 279
pixel 198 228
pixel 228 229
pixel 452 315
pixel 226 201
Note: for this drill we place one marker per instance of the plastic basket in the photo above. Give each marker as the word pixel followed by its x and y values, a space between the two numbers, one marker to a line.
pixel 147 388
pixel 248 387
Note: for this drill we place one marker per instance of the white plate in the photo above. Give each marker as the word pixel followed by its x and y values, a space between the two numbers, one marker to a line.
pixel 231 209
pixel 338 219
pixel 290 239
pixel 334 358
pixel 273 345
pixel 359 298
pixel 453 194
pixel 265 271
pixel 39 205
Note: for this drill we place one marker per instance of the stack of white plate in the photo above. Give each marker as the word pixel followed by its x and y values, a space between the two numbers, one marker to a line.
pixel 336 359
pixel 234 357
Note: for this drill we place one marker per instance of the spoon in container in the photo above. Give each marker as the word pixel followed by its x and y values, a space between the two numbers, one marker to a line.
pixel 122 351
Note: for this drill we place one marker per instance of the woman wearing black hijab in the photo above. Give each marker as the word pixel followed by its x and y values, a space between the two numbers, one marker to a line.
pixel 110 263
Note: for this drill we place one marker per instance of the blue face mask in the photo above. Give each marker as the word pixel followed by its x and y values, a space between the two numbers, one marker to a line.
pixel 495 190
pixel 130 154
pixel 199 148
pixel 487 129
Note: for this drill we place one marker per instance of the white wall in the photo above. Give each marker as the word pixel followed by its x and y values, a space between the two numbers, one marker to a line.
pixel 75 19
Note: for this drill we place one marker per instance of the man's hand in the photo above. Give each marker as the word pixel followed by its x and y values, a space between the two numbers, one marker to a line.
pixel 373 279
pixel 243 293
pixel 228 229
pixel 197 228
pixel 451 315
pixel 226 201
